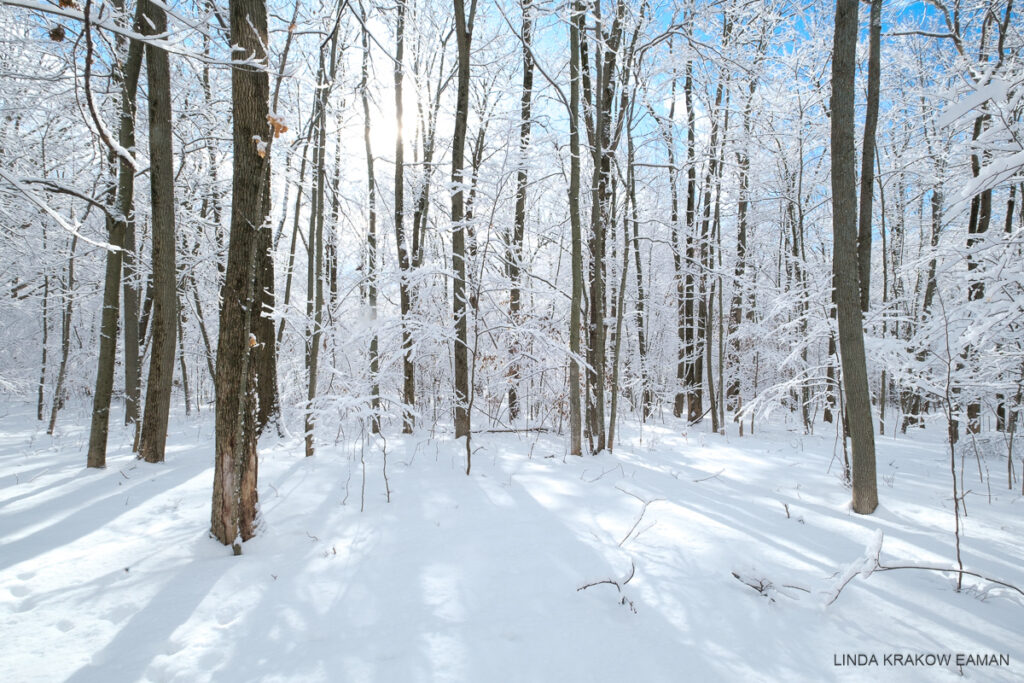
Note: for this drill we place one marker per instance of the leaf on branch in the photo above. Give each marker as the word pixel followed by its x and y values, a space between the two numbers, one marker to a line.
pixel 277 123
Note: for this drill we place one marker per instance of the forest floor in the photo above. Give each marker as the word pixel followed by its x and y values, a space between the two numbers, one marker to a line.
pixel 111 575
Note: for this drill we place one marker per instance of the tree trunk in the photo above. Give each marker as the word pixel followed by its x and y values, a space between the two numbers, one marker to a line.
pixel 371 233
pixel 264 353
pixel 464 36
pixel 117 232
pixel 576 302
pixel 515 249
pixel 867 162
pixel 844 230
pixel 234 484
pixel 404 265
pixel 65 337
pixel 315 246
pixel 153 436
pixel 647 395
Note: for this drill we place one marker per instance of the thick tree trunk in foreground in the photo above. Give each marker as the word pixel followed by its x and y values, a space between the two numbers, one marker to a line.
pixel 844 254
pixel 153 436
pixel 234 479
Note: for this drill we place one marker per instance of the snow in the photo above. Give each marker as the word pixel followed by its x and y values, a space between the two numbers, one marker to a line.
pixel 111 576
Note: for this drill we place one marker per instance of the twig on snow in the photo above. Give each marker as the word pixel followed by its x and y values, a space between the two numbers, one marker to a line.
pixel 618 584
pixel 713 476
pixel 639 518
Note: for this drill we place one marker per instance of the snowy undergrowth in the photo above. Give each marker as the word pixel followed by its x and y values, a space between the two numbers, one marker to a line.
pixel 110 575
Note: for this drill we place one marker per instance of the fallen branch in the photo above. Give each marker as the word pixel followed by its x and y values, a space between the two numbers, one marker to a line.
pixel 874 554
pixel 697 481
pixel 642 512
pixel 618 584
pixel 887 568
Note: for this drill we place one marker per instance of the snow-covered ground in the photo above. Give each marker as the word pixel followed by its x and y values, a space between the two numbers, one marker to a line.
pixel 111 576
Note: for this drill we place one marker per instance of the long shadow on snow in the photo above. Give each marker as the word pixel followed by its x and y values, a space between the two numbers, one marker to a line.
pixel 432 622
pixel 145 635
pixel 85 510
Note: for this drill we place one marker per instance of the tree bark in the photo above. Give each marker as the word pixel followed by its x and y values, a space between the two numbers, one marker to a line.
pixel 867 162
pixel 234 483
pixel 844 251
pixel 404 264
pixel 576 301
pixel 371 232
pixel 464 37
pixel 117 228
pixel 515 249
pixel 65 337
pixel 153 436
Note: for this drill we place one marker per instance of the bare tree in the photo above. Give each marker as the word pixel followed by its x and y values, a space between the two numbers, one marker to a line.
pixel 844 258
pixel 234 479
pixel 153 436
pixel 464 37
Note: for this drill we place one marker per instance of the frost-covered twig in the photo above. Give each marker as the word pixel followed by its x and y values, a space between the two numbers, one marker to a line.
pixel 864 565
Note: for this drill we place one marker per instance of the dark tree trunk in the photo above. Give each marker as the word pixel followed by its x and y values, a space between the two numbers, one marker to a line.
pixel 515 249
pixel 153 436
pixel 404 264
pixel 234 484
pixel 116 229
pixel 576 302
pixel 844 255
pixel 867 162
pixel 464 36
pixel 371 233
pixel 65 337
pixel 264 353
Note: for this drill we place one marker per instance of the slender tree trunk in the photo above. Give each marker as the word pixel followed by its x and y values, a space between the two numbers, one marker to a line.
pixel 404 265
pixel 978 224
pixel 576 301
pixel 234 484
pixel 371 233
pixel 515 249
pixel 290 270
pixel 40 399
pixel 647 397
pixel 844 202
pixel 464 36
pixel 619 314
pixel 181 360
pixel 688 369
pixel 315 250
pixel 737 306
pixel 1007 230
pixel 153 436
pixel 117 229
pixel 867 165
pixel 65 336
